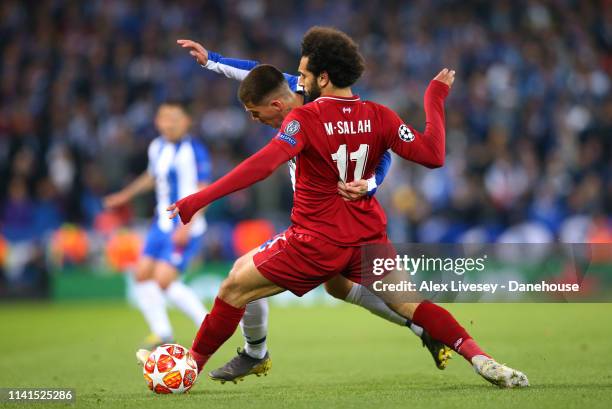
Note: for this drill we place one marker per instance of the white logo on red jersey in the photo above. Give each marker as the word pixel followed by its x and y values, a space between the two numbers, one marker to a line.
pixel 292 128
pixel 346 110
pixel 405 134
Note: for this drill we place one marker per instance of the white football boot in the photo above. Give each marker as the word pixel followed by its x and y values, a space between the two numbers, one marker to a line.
pixel 499 374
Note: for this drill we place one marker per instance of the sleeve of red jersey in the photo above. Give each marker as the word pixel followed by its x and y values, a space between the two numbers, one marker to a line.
pixel 426 148
pixel 291 137
pixel 286 144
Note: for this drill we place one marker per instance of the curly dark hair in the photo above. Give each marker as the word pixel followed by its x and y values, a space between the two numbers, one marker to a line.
pixel 260 83
pixel 334 52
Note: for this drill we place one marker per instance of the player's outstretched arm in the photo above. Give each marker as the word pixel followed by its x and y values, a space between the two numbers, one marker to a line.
pixel 427 148
pixel 233 68
pixel 230 67
pixel 142 183
pixel 252 170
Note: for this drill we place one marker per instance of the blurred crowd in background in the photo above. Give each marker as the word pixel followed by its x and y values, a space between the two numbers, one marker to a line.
pixel 529 119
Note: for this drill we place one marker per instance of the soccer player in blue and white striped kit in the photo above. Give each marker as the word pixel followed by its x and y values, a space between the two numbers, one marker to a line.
pixel 178 165
pixel 254 359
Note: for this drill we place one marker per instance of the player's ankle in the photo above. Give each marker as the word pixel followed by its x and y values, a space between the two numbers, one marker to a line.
pixel 256 350
pixel 478 360
pixel 200 359
pixel 470 349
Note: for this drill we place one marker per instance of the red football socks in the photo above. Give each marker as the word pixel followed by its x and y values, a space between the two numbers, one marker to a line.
pixel 218 326
pixel 470 349
pixel 442 326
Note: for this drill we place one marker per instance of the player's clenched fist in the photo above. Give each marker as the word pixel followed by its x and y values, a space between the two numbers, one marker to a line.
pixel 446 76
pixel 197 50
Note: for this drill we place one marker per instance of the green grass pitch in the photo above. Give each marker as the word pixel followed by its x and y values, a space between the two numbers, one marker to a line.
pixel 323 357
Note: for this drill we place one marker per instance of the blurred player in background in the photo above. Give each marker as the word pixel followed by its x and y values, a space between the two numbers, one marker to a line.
pixel 327 235
pixel 269 97
pixel 178 165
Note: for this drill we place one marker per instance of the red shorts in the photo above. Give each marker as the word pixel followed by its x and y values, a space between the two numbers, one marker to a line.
pixel 299 262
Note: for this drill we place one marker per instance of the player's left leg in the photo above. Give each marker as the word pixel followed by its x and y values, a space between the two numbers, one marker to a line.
pixel 435 320
pixel 175 261
pixel 183 297
pixel 147 293
pixel 357 294
pixel 441 325
pixel 150 300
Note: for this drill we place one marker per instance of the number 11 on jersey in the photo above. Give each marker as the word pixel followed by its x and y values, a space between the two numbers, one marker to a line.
pixel 360 156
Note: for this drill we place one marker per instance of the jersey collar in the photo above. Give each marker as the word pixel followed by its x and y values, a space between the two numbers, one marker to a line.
pixel 354 98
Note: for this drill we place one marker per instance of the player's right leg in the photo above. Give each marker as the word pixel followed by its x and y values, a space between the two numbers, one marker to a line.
pixel 243 282
pixel 292 261
pixel 253 358
pixel 243 285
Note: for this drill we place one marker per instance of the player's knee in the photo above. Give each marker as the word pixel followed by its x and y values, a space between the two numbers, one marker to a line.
pixel 229 290
pixel 163 282
pixel 165 275
pixel 239 263
pixel 143 272
pixel 235 289
pixel 338 290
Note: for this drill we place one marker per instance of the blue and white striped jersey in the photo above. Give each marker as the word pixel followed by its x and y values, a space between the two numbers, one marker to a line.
pixel 178 169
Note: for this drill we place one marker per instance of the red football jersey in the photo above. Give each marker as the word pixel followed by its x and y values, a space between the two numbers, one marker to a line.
pixel 334 139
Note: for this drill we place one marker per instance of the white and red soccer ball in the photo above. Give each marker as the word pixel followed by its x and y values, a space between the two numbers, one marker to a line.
pixel 170 369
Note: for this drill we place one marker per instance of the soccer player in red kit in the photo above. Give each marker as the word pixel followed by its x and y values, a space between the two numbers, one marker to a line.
pixel 337 137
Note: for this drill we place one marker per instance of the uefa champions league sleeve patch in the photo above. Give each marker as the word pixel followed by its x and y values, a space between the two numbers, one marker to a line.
pixel 292 128
pixel 405 134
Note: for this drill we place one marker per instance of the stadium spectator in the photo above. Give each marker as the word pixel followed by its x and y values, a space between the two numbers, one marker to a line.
pixel 528 127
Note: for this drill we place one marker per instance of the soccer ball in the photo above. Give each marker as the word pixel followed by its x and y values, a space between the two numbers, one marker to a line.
pixel 170 369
